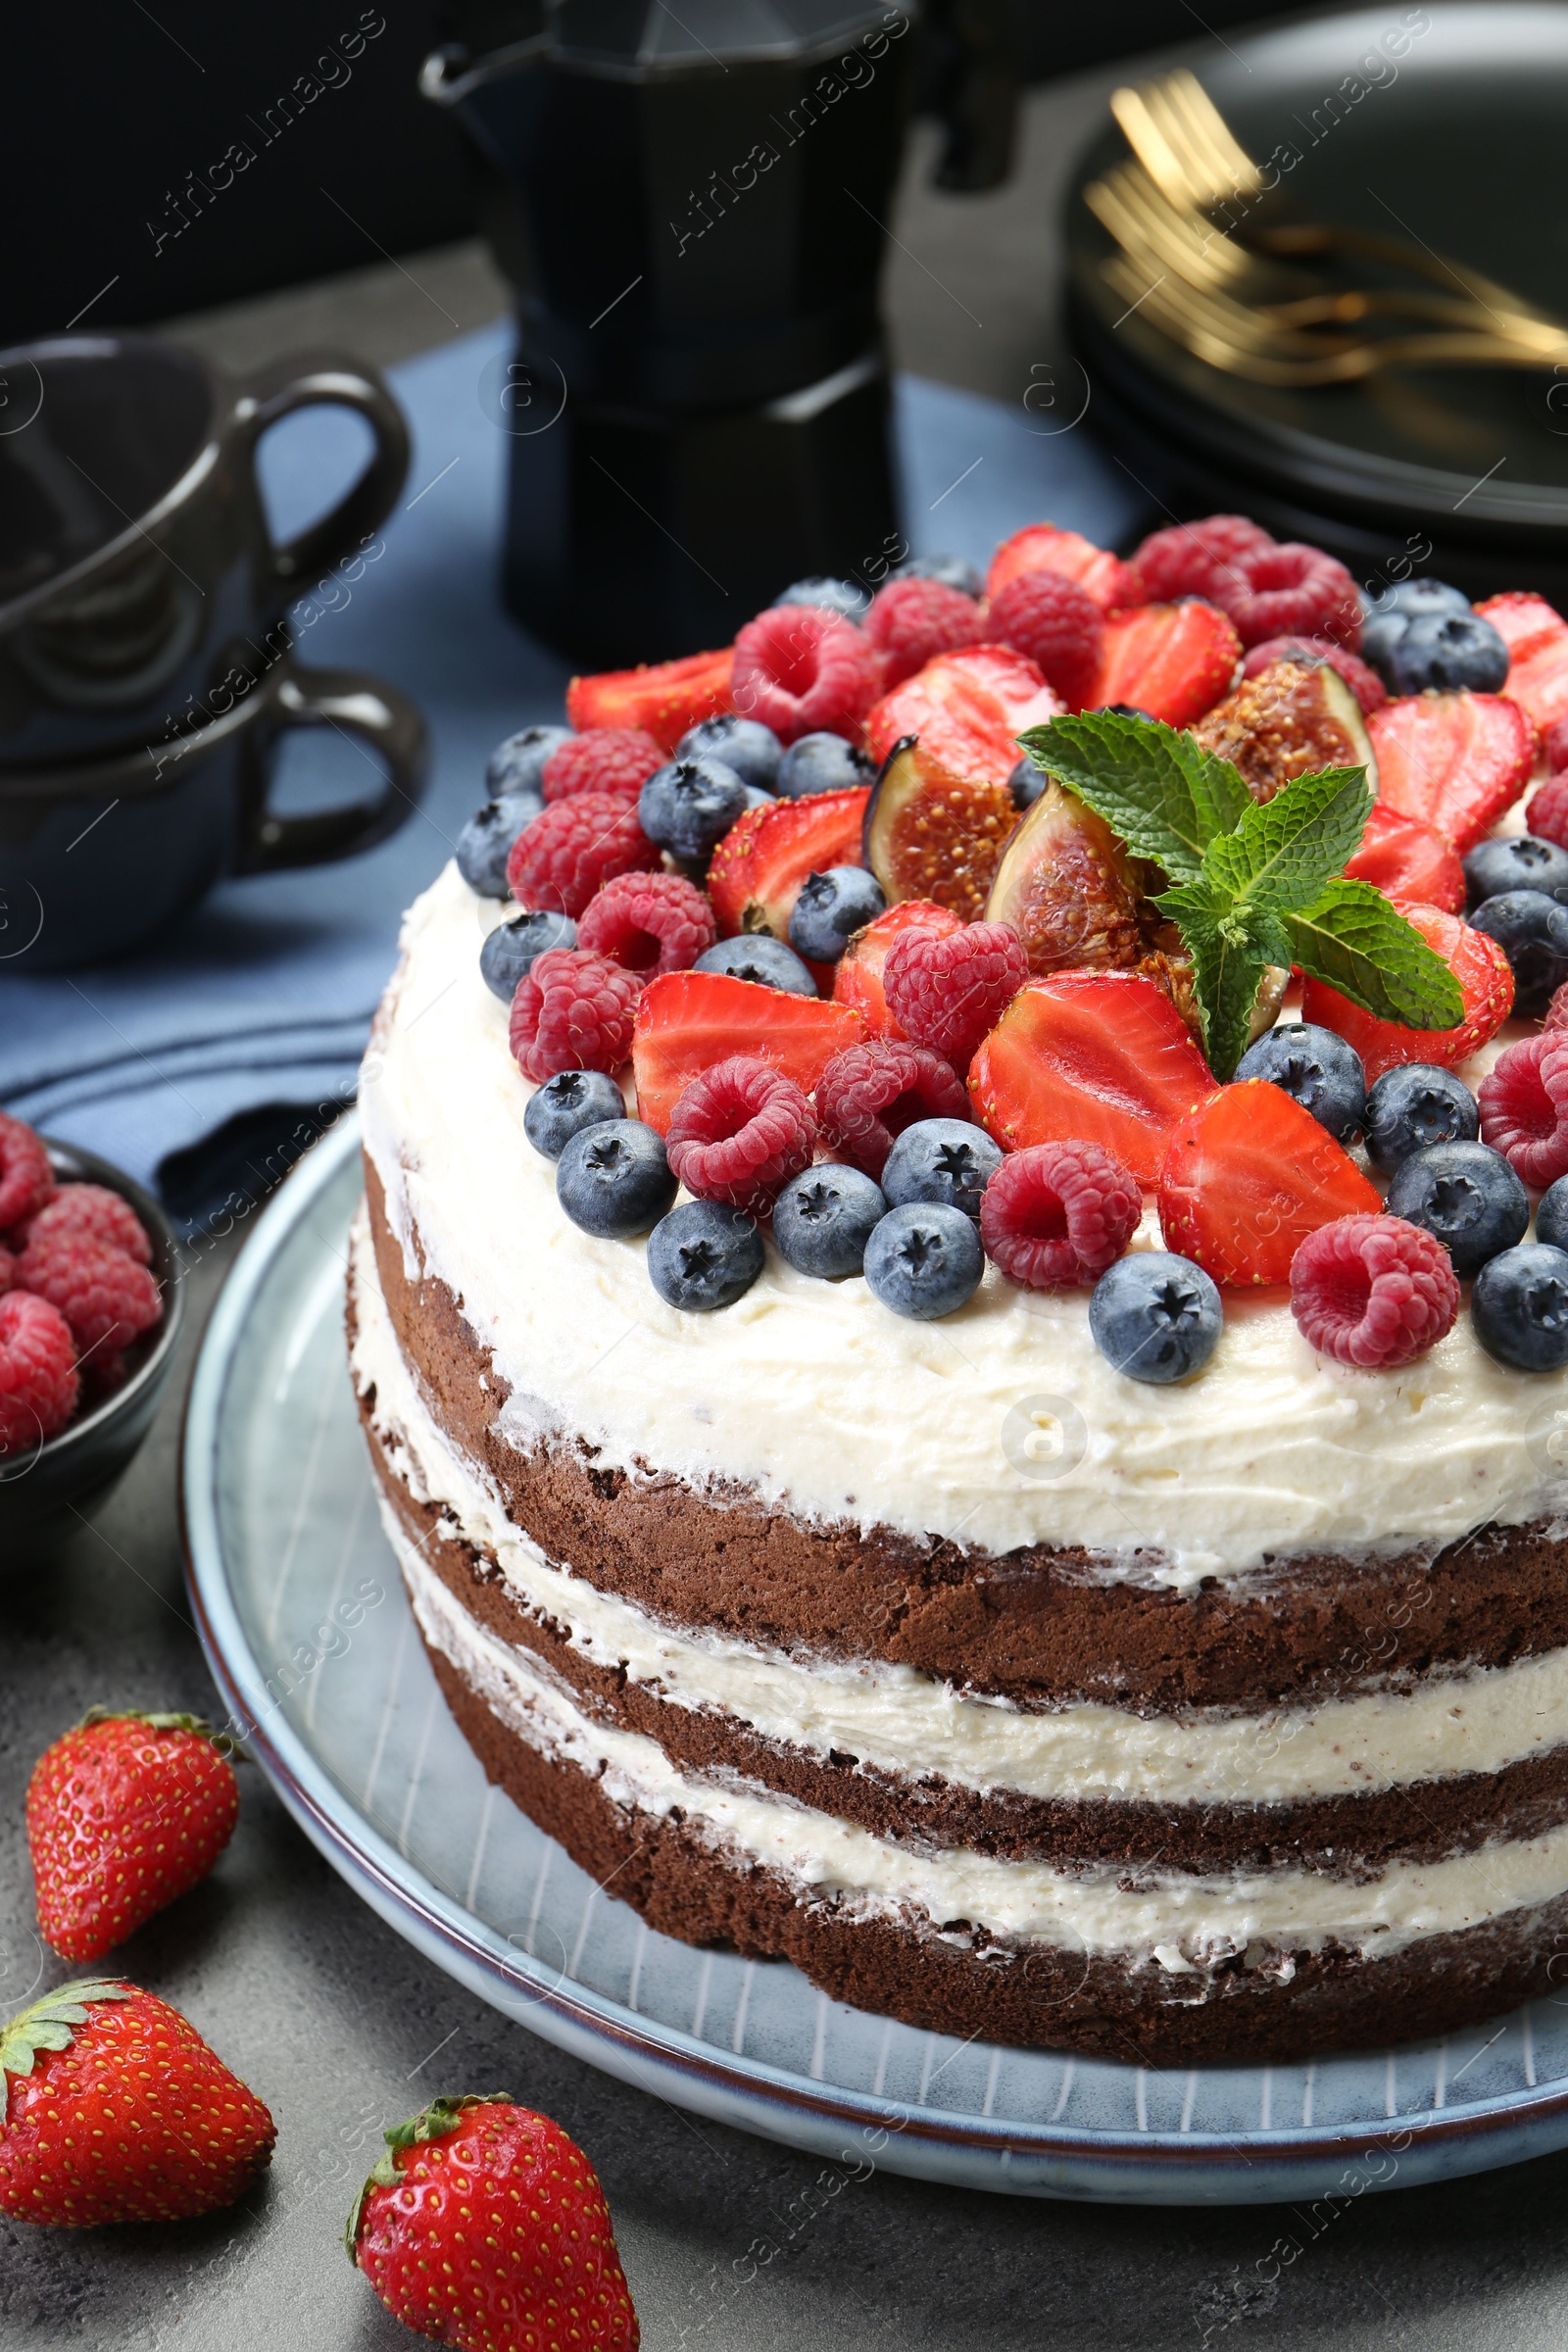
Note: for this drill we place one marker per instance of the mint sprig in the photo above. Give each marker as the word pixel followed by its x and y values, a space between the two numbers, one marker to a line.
pixel 1251 885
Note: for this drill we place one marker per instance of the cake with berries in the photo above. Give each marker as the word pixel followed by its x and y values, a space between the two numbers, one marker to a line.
pixel 938 1422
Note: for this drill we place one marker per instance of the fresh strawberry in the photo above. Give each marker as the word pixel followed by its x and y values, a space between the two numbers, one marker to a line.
pixel 754 875
pixel 1456 760
pixel 1041 547
pixel 689 1022
pixel 1095 1058
pixel 1171 661
pixel 968 711
pixel 1486 983
pixel 1537 638
pixel 1405 858
pixel 1248 1175
pixel 117 2110
pixel 124 1814
pixel 857 974
pixel 664 697
pixel 484 2227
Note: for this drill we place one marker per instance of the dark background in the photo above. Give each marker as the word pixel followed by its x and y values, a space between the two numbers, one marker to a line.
pixel 105 115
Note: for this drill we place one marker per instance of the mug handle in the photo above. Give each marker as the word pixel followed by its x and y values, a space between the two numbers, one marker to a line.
pixel 357 705
pixel 310 382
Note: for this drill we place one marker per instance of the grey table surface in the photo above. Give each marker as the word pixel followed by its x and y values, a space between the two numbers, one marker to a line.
pixel 729 2242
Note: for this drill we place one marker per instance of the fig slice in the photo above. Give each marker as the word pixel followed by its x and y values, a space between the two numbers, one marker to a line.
pixel 1065 884
pixel 1293 719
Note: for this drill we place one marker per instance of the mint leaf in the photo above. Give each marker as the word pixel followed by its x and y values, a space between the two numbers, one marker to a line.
pixel 1165 796
pixel 1227 968
pixel 1352 938
pixel 1284 854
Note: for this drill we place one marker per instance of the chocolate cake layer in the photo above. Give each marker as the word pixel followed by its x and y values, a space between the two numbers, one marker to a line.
pixel 1040 1625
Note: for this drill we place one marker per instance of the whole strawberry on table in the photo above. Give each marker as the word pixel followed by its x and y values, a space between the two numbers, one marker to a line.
pixel 940 927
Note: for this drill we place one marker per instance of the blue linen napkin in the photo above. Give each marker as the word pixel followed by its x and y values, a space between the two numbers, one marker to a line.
pixel 205 1062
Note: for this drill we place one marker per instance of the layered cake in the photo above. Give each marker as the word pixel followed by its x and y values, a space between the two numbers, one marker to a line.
pixel 1127 1611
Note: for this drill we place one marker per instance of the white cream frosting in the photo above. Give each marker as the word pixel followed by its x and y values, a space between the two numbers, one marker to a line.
pixel 1183 1922
pixel 837 1410
pixel 906 1722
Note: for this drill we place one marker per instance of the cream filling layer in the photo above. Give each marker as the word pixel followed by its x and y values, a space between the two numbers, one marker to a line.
pixel 997 1427
pixel 1184 1923
pixel 908 1723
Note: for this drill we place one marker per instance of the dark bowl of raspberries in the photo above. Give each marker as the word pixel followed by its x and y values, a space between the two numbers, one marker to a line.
pixel 89 1314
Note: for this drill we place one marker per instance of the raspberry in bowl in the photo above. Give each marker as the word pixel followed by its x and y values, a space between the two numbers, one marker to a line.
pixel 90 1306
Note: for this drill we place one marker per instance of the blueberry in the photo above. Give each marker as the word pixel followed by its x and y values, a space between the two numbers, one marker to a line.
pixel 1520 862
pixel 1448 649
pixel 613 1180
pixel 1319 1069
pixel 510 948
pixel 485 842
pixel 830 906
pixel 924 1259
pixel 1025 785
pixel 566 1104
pixel 1381 633
pixel 1467 1196
pixel 823 1219
pixel 1414 1106
pixel 757 796
pixel 842 596
pixel 951 570
pixel 1519 1308
pixel 1552 1214
pixel 822 764
pixel 945 1160
pixel 690 804
pixel 1532 930
pixel 1156 1316
pixel 752 750
pixel 757 956
pixel 1131 710
pixel 1386 621
pixel 518 764
pixel 703 1256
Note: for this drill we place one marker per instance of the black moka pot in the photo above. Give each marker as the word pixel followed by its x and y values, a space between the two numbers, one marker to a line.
pixel 692 208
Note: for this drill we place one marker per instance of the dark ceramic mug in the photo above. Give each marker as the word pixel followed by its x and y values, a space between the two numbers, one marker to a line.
pixel 98 857
pixel 136 566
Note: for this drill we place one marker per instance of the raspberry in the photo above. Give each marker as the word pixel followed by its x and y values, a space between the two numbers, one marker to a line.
pixel 1192 558
pixel 572 1011
pixel 1524 1107
pixel 38 1384
pixel 26 1180
pixel 804 671
pixel 1373 1291
pixel 948 993
pixel 91 1213
pixel 1546 811
pixel 1058 624
pixel 105 1296
pixel 1288 588
pixel 1056 1215
pixel 1366 684
pixel 8 1268
pixel 614 760
pixel 868 1095
pixel 573 849
pixel 739 1132
pixel 911 622
pixel 1554 745
pixel 649 922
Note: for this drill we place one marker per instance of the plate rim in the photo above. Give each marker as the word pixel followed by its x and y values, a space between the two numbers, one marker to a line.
pixel 1186 2167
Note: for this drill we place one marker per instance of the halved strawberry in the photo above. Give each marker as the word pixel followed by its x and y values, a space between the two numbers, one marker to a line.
pixel 1173 661
pixel 1486 982
pixel 1248 1176
pixel 663 698
pixel 1042 547
pixel 756 872
pixel 969 710
pixel 1536 637
pixel 687 1021
pixel 857 974
pixel 1094 1057
pixel 1405 858
pixel 1456 760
